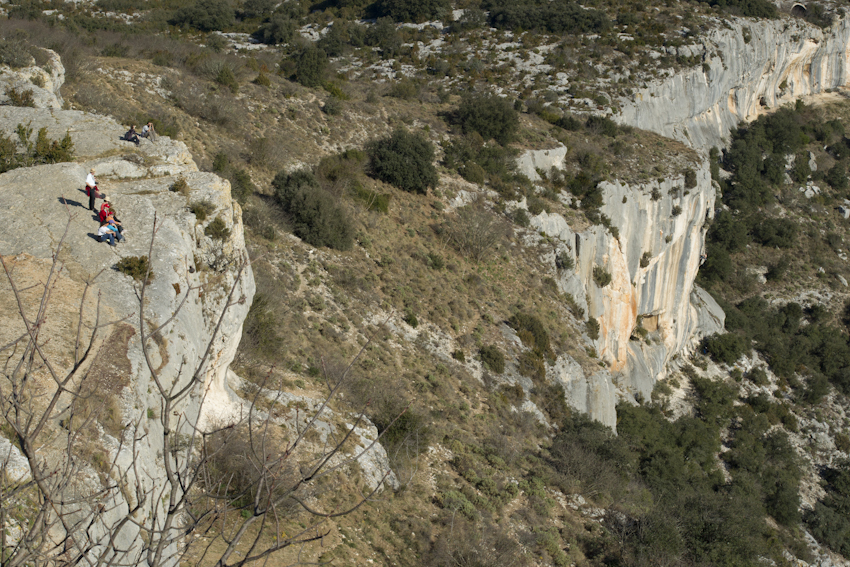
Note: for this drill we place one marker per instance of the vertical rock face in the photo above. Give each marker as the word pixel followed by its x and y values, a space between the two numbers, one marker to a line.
pixel 748 68
pixel 193 274
pixel 652 266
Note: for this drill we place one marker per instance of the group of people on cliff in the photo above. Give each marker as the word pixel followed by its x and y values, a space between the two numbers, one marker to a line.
pixel 110 229
pixel 147 132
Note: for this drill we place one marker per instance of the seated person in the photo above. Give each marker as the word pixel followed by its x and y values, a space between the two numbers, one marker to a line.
pixel 148 132
pixel 131 135
pixel 115 225
pixel 106 234
pixel 105 210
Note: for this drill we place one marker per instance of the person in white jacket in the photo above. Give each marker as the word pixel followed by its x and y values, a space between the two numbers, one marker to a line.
pixel 91 189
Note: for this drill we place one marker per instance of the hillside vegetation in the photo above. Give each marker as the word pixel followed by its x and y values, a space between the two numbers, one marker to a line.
pixel 375 165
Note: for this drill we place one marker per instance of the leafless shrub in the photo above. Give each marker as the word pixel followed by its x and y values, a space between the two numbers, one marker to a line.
pixel 235 482
pixel 475 231
pixel 196 99
pixel 466 544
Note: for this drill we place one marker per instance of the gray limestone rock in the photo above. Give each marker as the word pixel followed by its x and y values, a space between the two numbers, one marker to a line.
pixel 39 205
pixel 594 395
pixel 51 77
pixel 652 266
pixel 776 63
pixel 544 160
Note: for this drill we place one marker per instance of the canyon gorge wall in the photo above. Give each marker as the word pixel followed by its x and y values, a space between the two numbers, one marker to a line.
pixel 749 66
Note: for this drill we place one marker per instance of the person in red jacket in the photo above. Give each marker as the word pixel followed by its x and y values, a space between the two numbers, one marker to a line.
pixel 105 210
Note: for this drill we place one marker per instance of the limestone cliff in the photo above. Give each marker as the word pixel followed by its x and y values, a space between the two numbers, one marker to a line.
pixel 35 207
pixel 652 263
pixel 748 67
pixel 194 270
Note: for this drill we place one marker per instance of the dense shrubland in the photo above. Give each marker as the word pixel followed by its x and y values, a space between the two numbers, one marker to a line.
pixel 766 219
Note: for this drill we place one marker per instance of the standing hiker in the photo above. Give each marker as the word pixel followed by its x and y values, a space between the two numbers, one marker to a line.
pixel 92 190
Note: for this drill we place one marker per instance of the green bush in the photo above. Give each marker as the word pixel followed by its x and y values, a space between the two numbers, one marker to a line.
pixel 535 205
pixel 383 35
pixel 775 232
pixel 220 162
pixel 411 319
pixel 531 365
pixel 492 358
pixel 241 186
pixel 335 39
pixel 726 348
pixel 333 106
pixel 563 261
pixel 532 333
pixel 310 65
pixel 279 29
pixel 226 77
pixel 43 150
pixel 566 17
pixel 315 215
pixel 52 151
pixel 135 266
pixel 14 54
pixel 569 122
pixel 749 8
pixel 602 125
pixel 20 97
pixel 592 327
pixel 690 178
pixel 836 176
pixel 202 209
pixel 217 229
pixel 601 276
pixel 405 89
pixel 413 10
pixel 257 8
pixel 490 116
pixel 404 160
pixel 205 15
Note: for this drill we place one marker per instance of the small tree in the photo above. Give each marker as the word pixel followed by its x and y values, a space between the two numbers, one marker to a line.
pixel 404 160
pixel 490 116
pixel 315 215
pixel 205 15
pixel 310 65
pixel 279 29
pixel 413 10
pixel 79 507
pixel 601 276
pixel 475 231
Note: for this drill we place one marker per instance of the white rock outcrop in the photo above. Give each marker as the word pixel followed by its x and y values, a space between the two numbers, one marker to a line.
pixel 652 265
pixel 42 81
pixel 748 67
pixel 190 295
